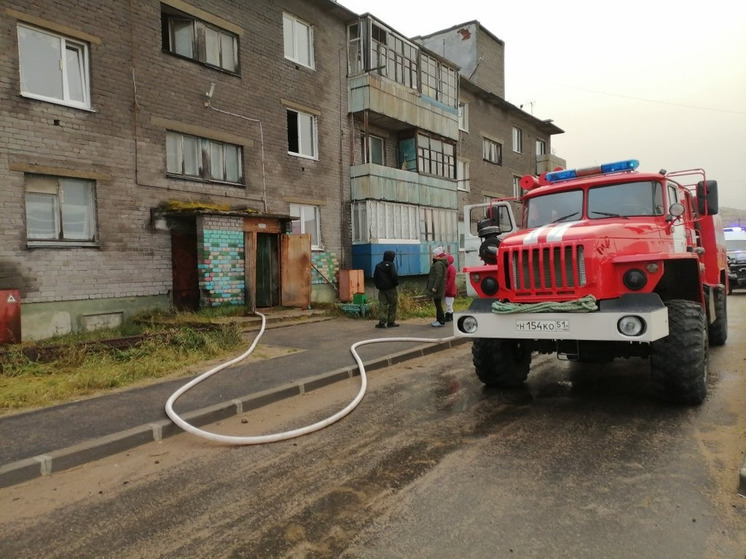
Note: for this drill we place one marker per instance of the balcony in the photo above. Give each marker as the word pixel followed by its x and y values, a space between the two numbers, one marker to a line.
pixel 376 182
pixel 398 103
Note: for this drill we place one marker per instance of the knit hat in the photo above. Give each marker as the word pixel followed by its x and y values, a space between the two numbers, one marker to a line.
pixel 438 252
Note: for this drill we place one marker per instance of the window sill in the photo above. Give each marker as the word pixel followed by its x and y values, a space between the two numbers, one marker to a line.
pixel 62 244
pixel 60 102
pixel 204 181
pixel 301 156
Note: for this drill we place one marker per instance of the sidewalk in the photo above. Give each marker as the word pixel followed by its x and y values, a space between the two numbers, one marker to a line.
pixel 316 353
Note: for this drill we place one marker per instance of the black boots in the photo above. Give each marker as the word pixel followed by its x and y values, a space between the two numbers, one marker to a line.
pixel 381 324
pixel 449 317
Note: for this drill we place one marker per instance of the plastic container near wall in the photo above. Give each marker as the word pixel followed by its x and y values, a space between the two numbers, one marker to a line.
pixel 350 283
pixel 10 316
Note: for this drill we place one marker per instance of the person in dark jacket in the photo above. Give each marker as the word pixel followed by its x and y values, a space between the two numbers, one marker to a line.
pixel 436 284
pixel 386 278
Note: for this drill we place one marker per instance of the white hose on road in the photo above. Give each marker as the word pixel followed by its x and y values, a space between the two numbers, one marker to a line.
pixel 285 435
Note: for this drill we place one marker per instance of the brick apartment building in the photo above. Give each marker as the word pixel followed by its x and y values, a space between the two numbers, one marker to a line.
pixel 208 152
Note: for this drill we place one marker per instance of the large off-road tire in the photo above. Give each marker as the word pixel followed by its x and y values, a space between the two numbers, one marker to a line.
pixel 718 329
pixel 678 362
pixel 501 363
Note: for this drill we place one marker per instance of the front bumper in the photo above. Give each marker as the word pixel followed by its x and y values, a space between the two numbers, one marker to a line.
pixel 601 325
pixel 737 276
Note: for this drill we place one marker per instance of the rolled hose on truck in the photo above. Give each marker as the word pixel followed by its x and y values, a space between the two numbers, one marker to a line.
pixel 285 435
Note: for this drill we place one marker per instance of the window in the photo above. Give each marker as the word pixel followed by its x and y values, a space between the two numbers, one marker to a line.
pixel 462 171
pixel 437 224
pixel 375 152
pixel 60 209
pixel 643 198
pixel 463 116
pixel 208 160
pixel 541 147
pixel 436 156
pixel 392 56
pixel 302 134
pixel 517 140
pixel 53 67
pixel 439 81
pixel 516 186
pixel 555 208
pixel 298 39
pixel 192 38
pixel 381 222
pixel 492 151
pixel 309 222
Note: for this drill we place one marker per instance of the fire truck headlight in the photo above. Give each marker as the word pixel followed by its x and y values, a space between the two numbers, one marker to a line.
pixel 631 325
pixel 489 286
pixel 635 279
pixel 467 324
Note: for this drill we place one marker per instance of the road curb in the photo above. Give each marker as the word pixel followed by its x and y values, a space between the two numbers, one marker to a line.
pixel 95 449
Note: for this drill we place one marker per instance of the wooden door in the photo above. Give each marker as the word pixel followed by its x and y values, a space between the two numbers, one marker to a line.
pixel 296 270
pixel 184 276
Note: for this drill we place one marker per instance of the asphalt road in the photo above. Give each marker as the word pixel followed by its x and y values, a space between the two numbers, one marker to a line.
pixel 582 463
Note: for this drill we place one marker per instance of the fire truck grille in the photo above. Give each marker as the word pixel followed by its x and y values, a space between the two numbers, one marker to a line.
pixel 549 270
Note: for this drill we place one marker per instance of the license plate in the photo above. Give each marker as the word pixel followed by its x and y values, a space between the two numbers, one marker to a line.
pixel 542 325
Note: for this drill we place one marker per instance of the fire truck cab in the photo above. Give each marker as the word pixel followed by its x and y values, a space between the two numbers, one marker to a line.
pixel 608 262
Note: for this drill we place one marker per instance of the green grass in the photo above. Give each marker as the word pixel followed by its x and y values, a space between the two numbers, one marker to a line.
pixel 77 370
pixel 73 366
pixel 412 304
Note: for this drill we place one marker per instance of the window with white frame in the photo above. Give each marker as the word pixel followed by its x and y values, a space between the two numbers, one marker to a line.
pixel 302 135
pixel 516 186
pixel 60 210
pixel 517 140
pixel 210 160
pixel 541 147
pixel 463 116
pixel 53 67
pixel 436 156
pixel 438 224
pixel 375 150
pixel 298 40
pixel 198 40
pixel 492 151
pixel 462 174
pixel 375 221
pixel 308 222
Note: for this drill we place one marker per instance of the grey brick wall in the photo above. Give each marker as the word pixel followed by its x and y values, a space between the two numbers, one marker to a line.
pixel 138 91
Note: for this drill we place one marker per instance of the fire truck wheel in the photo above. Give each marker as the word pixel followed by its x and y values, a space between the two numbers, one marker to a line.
pixel 678 362
pixel 501 363
pixel 718 330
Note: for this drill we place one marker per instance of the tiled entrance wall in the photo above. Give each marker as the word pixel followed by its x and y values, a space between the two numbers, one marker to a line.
pixel 220 255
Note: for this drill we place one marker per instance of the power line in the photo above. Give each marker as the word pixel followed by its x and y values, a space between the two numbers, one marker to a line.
pixel 648 100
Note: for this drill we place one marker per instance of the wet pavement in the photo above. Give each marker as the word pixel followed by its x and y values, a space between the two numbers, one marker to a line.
pixel 316 351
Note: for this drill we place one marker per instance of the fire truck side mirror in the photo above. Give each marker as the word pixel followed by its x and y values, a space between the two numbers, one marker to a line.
pixel 707 197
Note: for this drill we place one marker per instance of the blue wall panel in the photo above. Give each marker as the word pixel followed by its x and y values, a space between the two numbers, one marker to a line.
pixel 411 260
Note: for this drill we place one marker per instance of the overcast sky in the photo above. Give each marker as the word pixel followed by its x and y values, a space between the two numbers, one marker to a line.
pixel 659 81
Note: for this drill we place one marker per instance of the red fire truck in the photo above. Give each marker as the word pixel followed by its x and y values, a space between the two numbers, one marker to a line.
pixel 609 262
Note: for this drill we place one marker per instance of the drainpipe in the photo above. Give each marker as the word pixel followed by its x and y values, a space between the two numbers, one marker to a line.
pixel 208 104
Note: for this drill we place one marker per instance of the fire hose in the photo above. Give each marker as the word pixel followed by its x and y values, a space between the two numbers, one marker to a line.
pixel 285 435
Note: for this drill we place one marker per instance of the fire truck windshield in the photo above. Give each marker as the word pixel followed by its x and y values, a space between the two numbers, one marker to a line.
pixel 555 208
pixel 625 200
